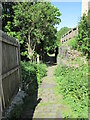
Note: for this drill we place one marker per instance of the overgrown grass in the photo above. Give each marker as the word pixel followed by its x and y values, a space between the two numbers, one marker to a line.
pixel 73 85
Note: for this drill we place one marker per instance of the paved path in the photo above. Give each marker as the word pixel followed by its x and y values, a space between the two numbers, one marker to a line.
pixel 49 106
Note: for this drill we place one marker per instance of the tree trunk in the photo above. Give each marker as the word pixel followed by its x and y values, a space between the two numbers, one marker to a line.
pixel 29 46
pixel 37 58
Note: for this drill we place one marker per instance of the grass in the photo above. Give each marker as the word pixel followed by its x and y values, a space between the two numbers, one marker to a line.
pixel 72 83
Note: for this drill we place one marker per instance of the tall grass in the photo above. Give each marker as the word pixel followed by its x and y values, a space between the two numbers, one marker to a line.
pixel 73 85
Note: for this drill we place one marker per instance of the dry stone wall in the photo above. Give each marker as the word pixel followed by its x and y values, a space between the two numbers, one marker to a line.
pixel 66 53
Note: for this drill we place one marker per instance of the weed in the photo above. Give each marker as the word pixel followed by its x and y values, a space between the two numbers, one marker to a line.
pixel 73 85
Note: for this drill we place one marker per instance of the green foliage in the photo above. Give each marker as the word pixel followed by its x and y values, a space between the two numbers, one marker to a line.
pixel 32 74
pixel 29 77
pixel 83 34
pixel 61 32
pixel 41 72
pixel 7 14
pixel 81 41
pixel 34 21
pixel 89 23
pixel 73 85
pixel 73 43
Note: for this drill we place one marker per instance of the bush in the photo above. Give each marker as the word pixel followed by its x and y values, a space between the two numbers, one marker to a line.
pixel 73 43
pixel 83 34
pixel 73 85
pixel 81 41
pixel 29 77
pixel 41 72
pixel 32 74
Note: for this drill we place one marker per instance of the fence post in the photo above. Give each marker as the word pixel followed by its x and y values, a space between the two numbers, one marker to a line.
pixel 0 62
pixel 20 72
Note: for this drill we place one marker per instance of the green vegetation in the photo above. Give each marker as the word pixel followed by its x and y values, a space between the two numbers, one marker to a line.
pixel 32 74
pixel 61 32
pixel 73 43
pixel 73 80
pixel 32 23
pixel 41 72
pixel 73 85
pixel 83 34
pixel 81 41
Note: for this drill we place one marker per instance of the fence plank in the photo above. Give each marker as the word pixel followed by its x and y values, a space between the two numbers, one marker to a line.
pixel 10 72
pixel 10 69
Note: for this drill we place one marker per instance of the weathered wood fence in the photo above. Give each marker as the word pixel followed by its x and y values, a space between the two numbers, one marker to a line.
pixel 9 68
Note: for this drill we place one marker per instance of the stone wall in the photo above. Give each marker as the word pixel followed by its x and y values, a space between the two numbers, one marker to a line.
pixel 66 53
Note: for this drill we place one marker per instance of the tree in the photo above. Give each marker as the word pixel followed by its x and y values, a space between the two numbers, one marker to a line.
pixel 7 13
pixel 83 34
pixel 33 25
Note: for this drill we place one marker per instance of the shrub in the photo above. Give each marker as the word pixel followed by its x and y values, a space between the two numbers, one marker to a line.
pixel 83 34
pixel 41 72
pixel 73 43
pixel 73 85
pixel 32 74
pixel 29 77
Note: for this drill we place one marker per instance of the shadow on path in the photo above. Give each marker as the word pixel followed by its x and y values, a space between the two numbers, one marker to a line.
pixel 30 105
pixel 31 100
pixel 49 107
pixel 34 100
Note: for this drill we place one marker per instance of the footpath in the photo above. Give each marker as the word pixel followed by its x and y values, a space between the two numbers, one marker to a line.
pixel 49 106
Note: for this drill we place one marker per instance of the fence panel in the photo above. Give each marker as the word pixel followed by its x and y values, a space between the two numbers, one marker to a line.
pixel 10 72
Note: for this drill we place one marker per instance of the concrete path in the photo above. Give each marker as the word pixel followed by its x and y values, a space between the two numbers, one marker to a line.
pixel 49 106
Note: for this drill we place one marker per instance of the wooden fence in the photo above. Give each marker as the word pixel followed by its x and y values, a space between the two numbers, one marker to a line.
pixel 9 68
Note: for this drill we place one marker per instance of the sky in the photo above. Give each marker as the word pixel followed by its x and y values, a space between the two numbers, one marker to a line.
pixel 71 13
